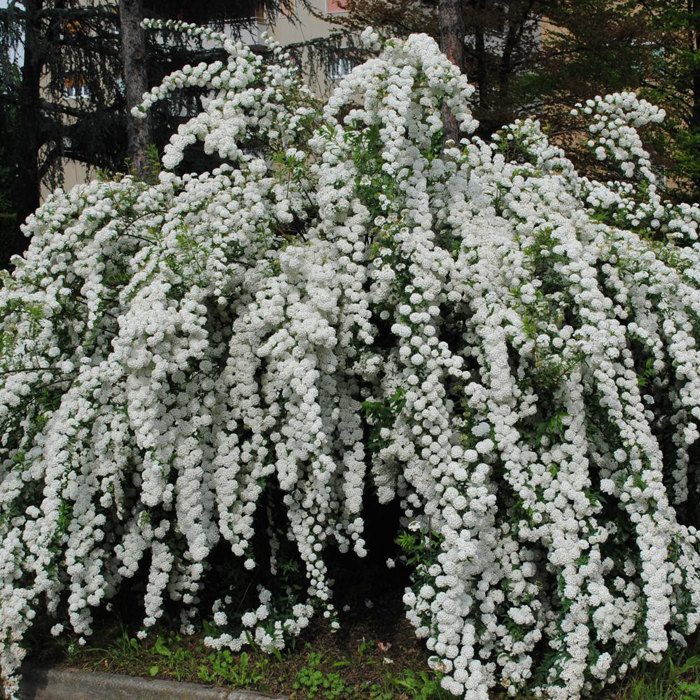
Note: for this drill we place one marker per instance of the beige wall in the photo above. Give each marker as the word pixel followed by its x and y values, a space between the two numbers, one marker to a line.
pixel 308 26
pixel 74 173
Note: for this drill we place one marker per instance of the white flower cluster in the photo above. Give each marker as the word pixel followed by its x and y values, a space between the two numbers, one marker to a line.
pixel 616 119
pixel 237 358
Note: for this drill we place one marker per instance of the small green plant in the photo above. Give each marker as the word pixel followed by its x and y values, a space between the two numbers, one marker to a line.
pixel 679 680
pixel 419 685
pixel 364 650
pixel 314 682
pixel 125 650
pixel 416 685
pixel 222 667
pixel 173 656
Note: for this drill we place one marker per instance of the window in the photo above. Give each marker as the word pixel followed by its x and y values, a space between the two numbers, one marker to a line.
pixel 73 27
pixel 75 87
pixel 339 68
pixel 335 6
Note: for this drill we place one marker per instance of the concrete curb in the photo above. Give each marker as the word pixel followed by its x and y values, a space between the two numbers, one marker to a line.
pixel 54 684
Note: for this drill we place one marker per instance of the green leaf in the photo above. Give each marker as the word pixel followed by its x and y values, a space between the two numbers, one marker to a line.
pixel 160 648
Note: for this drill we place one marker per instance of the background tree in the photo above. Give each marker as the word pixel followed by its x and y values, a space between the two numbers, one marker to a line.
pixel 75 46
pixel 135 80
pixel 69 51
pixel 8 169
pixel 502 43
pixel 541 56
pixel 591 47
pixel 451 22
pixel 673 81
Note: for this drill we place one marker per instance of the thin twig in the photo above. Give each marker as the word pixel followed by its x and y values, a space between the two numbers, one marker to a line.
pixel 31 369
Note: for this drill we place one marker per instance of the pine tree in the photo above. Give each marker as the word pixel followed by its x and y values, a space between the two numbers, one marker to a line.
pixel 8 168
pixel 76 46
pixel 69 53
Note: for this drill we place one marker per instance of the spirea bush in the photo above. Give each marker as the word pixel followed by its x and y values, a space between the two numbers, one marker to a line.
pixel 347 308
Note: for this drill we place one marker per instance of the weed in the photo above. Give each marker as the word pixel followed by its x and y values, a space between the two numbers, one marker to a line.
pixel 365 670
pixel 420 685
pixel 416 685
pixel 222 666
pixel 312 681
pixel 679 680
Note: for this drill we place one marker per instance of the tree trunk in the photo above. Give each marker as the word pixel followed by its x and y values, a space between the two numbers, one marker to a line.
pixel 135 81
pixel 28 186
pixel 694 124
pixel 451 20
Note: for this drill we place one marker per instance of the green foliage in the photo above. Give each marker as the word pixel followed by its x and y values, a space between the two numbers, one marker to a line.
pixel 381 414
pixel 222 667
pixel 419 547
pixel 677 677
pixel 420 685
pixel 323 676
pixel 316 683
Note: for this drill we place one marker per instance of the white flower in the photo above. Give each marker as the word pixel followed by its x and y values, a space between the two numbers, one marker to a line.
pixel 232 360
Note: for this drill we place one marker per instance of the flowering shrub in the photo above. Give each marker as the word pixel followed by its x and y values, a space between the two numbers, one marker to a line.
pixel 346 306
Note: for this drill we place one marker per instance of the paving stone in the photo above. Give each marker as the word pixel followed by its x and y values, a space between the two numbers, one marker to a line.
pixel 55 684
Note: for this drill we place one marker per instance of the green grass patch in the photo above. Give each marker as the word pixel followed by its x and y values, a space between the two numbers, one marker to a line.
pixel 677 677
pixel 373 656
pixel 362 660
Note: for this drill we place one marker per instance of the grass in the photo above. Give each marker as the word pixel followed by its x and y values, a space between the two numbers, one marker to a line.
pixel 373 656
pixel 352 664
pixel 677 677
pixel 355 668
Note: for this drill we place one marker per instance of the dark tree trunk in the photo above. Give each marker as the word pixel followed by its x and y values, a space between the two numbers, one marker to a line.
pixel 694 40
pixel 483 73
pixel 30 123
pixel 135 80
pixel 518 19
pixel 451 20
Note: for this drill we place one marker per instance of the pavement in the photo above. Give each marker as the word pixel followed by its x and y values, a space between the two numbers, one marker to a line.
pixel 62 684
